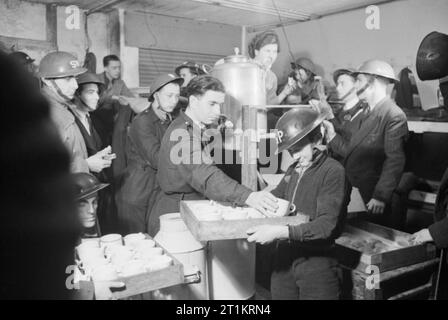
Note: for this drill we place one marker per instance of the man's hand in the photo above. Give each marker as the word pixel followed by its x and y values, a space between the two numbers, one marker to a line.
pixel 422 236
pixel 100 160
pixel 322 107
pixel 265 234
pixel 263 201
pixel 103 292
pixel 376 206
pixel 330 133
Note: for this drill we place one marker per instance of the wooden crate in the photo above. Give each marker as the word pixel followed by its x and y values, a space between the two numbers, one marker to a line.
pixel 395 257
pixel 228 229
pixel 150 281
pixel 415 278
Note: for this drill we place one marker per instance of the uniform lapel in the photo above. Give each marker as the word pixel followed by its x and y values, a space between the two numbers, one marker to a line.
pixel 369 124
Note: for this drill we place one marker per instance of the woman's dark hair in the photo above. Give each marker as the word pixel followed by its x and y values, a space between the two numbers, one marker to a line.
pixel 261 40
pixel 199 85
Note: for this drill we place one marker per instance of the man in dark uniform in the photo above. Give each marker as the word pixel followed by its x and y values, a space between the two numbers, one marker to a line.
pixel 374 158
pixel 142 151
pixel 186 171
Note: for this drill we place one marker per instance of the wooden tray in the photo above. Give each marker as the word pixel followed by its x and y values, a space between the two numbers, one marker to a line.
pixel 150 281
pixel 396 254
pixel 228 229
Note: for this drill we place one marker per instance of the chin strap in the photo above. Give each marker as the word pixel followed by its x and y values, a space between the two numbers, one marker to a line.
pixel 58 90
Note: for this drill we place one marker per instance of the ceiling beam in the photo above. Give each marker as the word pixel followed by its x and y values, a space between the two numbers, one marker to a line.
pixel 257 8
pixel 262 27
pixel 104 6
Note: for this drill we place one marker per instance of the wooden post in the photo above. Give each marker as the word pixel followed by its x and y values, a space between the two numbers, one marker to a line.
pixel 249 159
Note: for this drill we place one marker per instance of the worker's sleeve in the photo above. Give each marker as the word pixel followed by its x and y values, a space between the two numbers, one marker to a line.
pixel 143 136
pixel 280 189
pixel 393 166
pixel 77 149
pixel 271 91
pixel 126 92
pixel 339 145
pixel 199 171
pixel 439 233
pixel 329 204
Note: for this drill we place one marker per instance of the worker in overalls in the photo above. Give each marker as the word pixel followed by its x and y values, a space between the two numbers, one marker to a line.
pixel 304 267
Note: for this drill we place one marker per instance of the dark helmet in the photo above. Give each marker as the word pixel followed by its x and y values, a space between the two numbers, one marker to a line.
pixel 432 57
pixel 89 77
pixel 304 63
pixel 60 64
pixel 340 72
pixel 86 185
pixel 161 81
pixel 296 124
pixel 21 57
pixel 193 66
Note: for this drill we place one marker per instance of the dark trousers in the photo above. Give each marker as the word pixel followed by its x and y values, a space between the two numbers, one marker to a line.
pixel 311 278
pixel 132 217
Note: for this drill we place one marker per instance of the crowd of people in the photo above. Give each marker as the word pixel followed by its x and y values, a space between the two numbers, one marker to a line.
pixel 120 157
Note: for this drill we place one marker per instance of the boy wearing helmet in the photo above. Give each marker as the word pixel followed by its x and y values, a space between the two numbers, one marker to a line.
pixel 303 265
pixel 144 141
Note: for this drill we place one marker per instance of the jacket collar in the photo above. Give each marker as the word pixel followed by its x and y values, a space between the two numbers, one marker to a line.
pixel 320 153
pixel 54 96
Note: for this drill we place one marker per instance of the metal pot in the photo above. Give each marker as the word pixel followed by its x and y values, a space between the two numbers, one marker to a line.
pixel 244 81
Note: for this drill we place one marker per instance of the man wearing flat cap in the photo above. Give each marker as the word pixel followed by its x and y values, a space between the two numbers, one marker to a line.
pixel 142 152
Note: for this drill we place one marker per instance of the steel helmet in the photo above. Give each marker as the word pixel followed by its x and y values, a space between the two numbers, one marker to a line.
pixel 296 124
pixel 377 68
pixel 304 63
pixel 161 81
pixel 87 185
pixel 432 57
pixel 21 57
pixel 60 64
pixel 340 72
pixel 194 67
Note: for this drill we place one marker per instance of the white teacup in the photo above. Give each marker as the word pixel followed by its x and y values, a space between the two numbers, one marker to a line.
pixel 283 208
pixel 159 262
pixel 104 273
pixel 94 242
pixel 112 239
pixel 86 251
pixel 144 244
pixel 150 253
pixel 95 263
pixel 133 267
pixel 130 238
pixel 120 255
